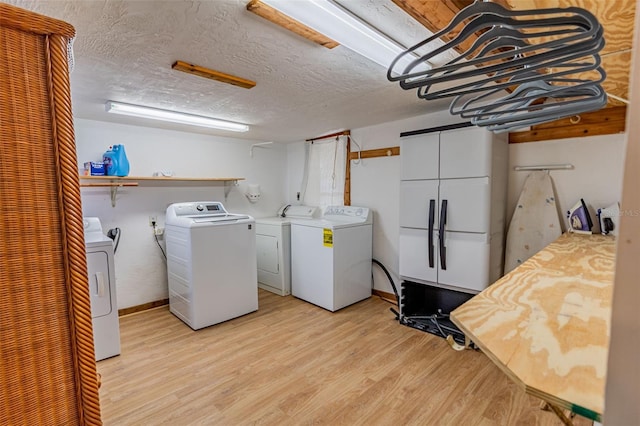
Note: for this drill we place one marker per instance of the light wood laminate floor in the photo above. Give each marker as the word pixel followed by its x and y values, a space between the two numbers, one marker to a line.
pixel 293 363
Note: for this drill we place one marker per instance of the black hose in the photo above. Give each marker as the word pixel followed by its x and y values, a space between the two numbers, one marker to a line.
pixel 114 234
pixel 158 242
pixel 395 290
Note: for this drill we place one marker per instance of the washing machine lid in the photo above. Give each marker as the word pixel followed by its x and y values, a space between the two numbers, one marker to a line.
pixel 218 219
pixel 324 223
pixel 302 212
pixel 201 213
pixel 291 213
pixel 343 216
pixel 336 217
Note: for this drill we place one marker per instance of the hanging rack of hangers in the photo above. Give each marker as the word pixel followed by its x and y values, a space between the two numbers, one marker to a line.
pixel 525 68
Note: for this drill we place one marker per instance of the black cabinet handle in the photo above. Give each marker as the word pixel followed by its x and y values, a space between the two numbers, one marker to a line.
pixel 443 222
pixel 432 208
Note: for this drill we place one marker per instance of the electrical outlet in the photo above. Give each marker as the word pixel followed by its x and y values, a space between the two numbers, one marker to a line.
pixel 152 220
pixel 159 232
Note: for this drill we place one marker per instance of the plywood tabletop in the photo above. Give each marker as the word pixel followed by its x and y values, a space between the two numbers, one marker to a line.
pixel 546 323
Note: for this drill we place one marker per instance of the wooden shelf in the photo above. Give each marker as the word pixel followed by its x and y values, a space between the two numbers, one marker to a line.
pixel 107 184
pixel 159 179
pixel 114 182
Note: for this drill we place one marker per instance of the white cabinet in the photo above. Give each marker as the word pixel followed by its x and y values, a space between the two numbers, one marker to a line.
pixel 452 208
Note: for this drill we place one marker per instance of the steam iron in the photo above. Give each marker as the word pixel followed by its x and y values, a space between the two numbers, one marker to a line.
pixel 608 219
pixel 579 218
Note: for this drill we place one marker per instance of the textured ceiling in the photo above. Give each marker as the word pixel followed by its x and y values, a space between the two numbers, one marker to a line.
pixel 124 51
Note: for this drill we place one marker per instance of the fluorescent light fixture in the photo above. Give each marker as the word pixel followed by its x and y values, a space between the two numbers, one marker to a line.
pixel 173 116
pixel 335 22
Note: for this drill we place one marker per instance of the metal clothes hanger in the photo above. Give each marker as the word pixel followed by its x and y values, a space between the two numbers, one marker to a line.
pixel 549 53
pixel 585 28
pixel 473 10
pixel 466 106
pixel 522 103
pixel 490 22
pixel 501 37
pixel 506 55
pixel 592 98
pixel 525 109
pixel 563 66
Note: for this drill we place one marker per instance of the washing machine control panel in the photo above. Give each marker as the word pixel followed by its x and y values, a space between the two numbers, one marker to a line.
pixel 199 208
pixel 348 212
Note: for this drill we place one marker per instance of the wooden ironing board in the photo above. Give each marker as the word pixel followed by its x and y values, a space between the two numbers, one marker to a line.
pixel 535 222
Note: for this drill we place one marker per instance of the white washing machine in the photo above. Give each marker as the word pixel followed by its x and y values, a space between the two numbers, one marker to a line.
pixel 211 263
pixel 102 288
pixel 273 247
pixel 331 261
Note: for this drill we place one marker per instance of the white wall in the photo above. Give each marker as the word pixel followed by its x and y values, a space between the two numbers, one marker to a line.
pixel 295 171
pixel 375 182
pixel 140 266
pixel 597 176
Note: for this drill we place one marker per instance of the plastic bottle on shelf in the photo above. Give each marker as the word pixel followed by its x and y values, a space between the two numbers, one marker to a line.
pixel 108 160
pixel 115 161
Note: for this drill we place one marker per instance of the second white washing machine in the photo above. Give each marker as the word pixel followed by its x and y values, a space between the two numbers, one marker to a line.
pixel 331 257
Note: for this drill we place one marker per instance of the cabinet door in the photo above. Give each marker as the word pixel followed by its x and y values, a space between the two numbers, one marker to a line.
pixel 416 196
pixel 414 255
pixel 98 267
pixel 468 204
pixel 465 153
pixel 267 253
pixel 467 261
pixel 419 156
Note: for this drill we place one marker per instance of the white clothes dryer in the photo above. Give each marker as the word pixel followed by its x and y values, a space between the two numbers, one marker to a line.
pixel 211 263
pixel 331 261
pixel 102 290
pixel 273 247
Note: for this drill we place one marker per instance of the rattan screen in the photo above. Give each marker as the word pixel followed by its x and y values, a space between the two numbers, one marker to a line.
pixel 47 367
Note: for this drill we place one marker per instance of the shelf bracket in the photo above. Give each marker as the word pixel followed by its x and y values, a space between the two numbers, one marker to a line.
pixel 114 192
pixel 228 185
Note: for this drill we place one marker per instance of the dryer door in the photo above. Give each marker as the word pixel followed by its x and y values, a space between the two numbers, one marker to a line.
pixel 98 266
pixel 267 253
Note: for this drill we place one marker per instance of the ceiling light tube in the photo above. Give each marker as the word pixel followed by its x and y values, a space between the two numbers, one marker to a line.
pixel 173 116
pixel 335 22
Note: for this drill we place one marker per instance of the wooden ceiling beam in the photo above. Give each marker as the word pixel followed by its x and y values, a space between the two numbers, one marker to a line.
pixel 212 74
pixel 604 122
pixel 436 15
pixel 282 20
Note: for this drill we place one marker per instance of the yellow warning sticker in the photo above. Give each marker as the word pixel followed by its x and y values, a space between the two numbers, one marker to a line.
pixel 327 237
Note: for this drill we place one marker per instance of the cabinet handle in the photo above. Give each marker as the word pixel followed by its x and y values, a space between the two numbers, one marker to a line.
pixel 432 208
pixel 99 284
pixel 443 249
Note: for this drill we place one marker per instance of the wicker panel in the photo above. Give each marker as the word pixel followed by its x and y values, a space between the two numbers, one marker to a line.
pixel 47 367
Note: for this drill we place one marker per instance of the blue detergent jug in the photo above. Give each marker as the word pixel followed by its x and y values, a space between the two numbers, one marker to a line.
pixel 115 161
